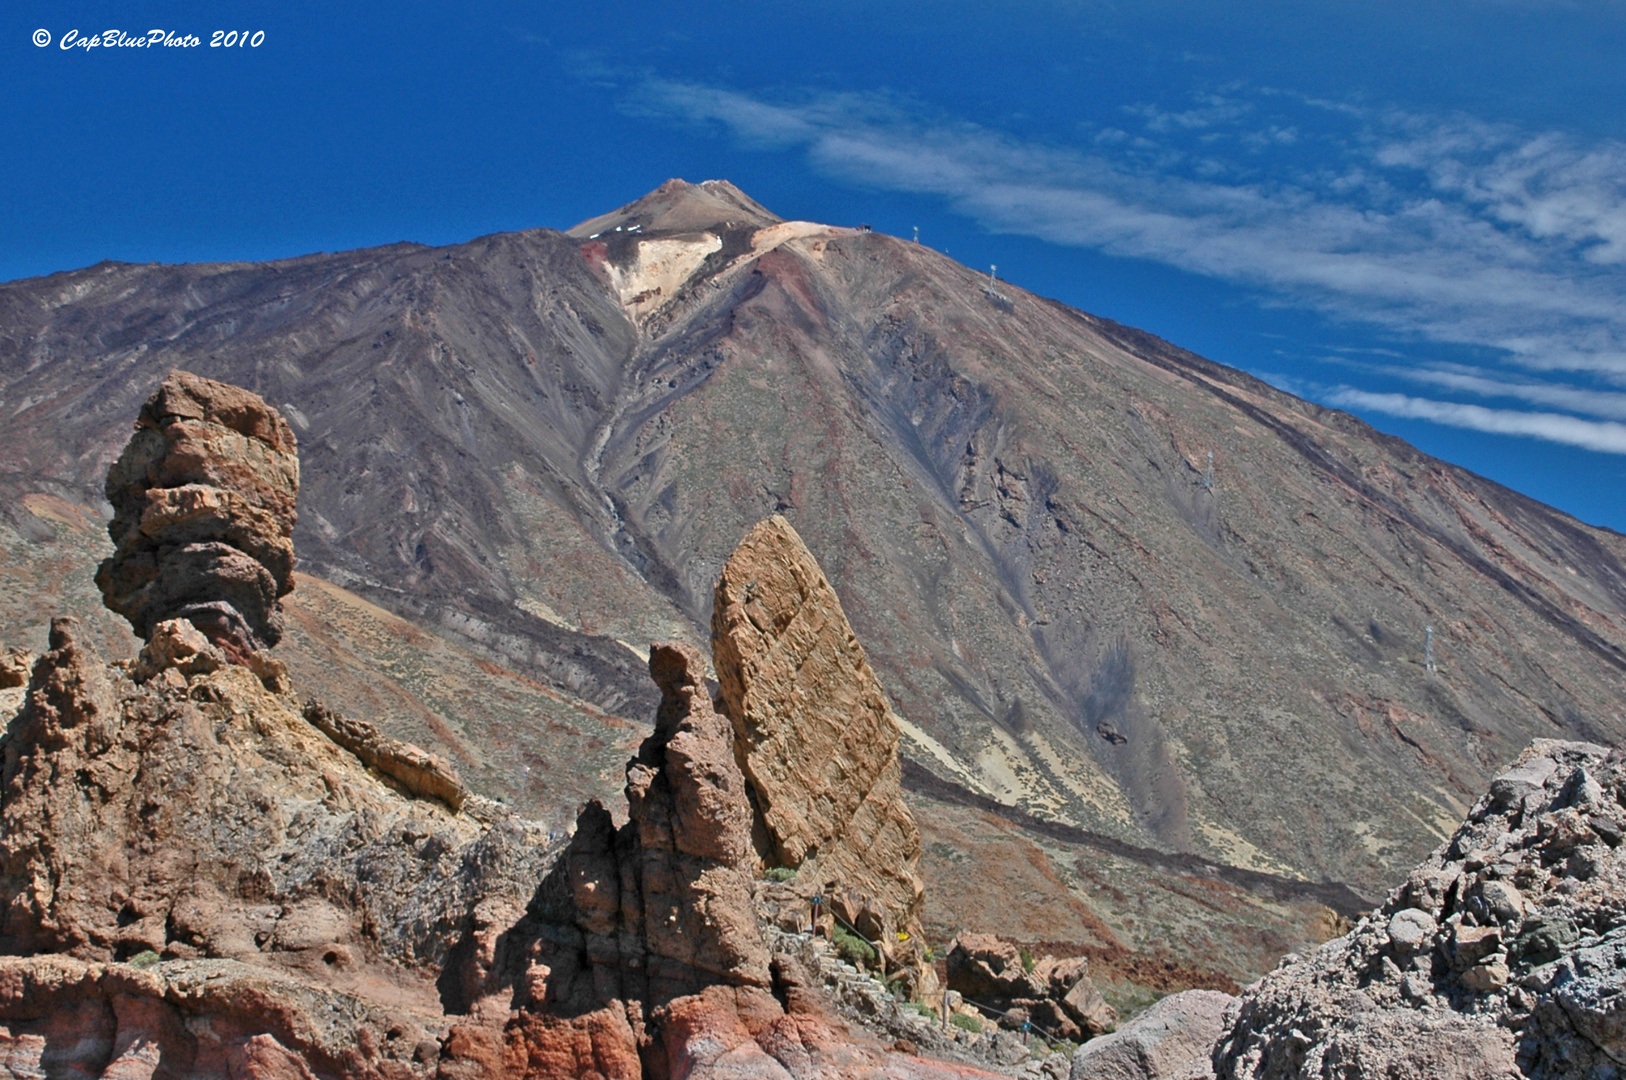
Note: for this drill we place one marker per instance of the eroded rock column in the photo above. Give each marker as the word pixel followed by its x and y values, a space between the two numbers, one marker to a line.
pixel 203 515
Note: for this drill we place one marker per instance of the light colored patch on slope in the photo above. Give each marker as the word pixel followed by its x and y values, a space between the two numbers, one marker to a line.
pixel 55 508
pixel 1235 851
pixel 1083 777
pixel 659 271
pixel 765 240
pixel 1001 763
pixel 940 753
pixel 542 611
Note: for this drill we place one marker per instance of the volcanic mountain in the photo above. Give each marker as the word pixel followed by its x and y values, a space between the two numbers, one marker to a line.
pixel 543 445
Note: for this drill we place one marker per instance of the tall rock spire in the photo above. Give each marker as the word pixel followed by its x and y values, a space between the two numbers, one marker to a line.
pixel 816 736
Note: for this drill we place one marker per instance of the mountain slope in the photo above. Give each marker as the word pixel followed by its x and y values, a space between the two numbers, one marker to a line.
pixel 538 443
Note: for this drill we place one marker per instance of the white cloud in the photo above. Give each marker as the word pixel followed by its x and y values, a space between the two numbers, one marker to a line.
pixel 1450 231
pixel 1579 399
pixel 1605 436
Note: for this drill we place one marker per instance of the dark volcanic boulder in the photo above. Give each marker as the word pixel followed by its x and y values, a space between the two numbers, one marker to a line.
pixel 203 515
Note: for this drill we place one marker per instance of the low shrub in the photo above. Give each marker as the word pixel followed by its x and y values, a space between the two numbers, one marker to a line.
pixel 966 1023
pixel 780 873
pixel 852 948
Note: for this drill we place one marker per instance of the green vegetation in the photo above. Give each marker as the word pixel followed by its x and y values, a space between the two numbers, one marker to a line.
pixel 1027 959
pixel 852 948
pixel 1126 998
pixel 144 959
pixel 921 1009
pixel 780 873
pixel 966 1023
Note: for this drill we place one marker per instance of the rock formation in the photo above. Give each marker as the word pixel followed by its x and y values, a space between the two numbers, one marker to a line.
pixel 199 877
pixel 1172 1040
pixel 815 734
pixel 203 515
pixel 647 942
pixel 1057 995
pixel 193 876
pixel 662 907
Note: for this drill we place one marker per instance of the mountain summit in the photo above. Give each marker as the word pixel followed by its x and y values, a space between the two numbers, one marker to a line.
pixel 678 206
pixel 1106 582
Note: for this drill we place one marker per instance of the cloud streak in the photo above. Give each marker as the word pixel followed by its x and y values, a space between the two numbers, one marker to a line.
pixel 1604 436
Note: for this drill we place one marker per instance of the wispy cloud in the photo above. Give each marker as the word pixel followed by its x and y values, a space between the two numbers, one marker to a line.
pixel 1447 231
pixel 1606 404
pixel 1605 436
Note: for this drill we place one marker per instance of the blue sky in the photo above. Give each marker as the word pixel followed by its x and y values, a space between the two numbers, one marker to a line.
pixel 1413 211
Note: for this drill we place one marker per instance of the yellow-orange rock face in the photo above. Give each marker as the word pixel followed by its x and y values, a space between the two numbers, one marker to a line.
pixel 816 735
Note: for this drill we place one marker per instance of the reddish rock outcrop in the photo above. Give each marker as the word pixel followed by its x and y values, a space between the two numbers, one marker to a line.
pixel 203 515
pixel 188 854
pixel 662 906
pixel 199 877
pixel 644 944
pixel 815 734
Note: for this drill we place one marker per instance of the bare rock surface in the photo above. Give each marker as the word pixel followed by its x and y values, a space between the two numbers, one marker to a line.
pixel 1503 955
pixel 420 772
pixel 1057 995
pixel 1172 1040
pixel 189 853
pixel 203 514
pixel 817 737
pixel 662 906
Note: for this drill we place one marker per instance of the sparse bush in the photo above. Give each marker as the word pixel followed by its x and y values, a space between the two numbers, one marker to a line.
pixel 966 1023
pixel 1027 959
pixel 921 1009
pixel 852 948
pixel 780 873
pixel 144 959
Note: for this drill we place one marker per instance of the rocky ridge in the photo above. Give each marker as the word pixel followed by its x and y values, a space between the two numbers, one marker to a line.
pixel 1503 955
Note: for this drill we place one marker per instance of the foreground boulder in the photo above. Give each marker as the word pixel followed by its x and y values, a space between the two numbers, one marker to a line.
pixel 203 515
pixel 1503 955
pixel 1172 1040
pixel 816 736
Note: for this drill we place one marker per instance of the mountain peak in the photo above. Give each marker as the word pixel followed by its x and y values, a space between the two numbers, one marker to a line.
pixel 678 206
